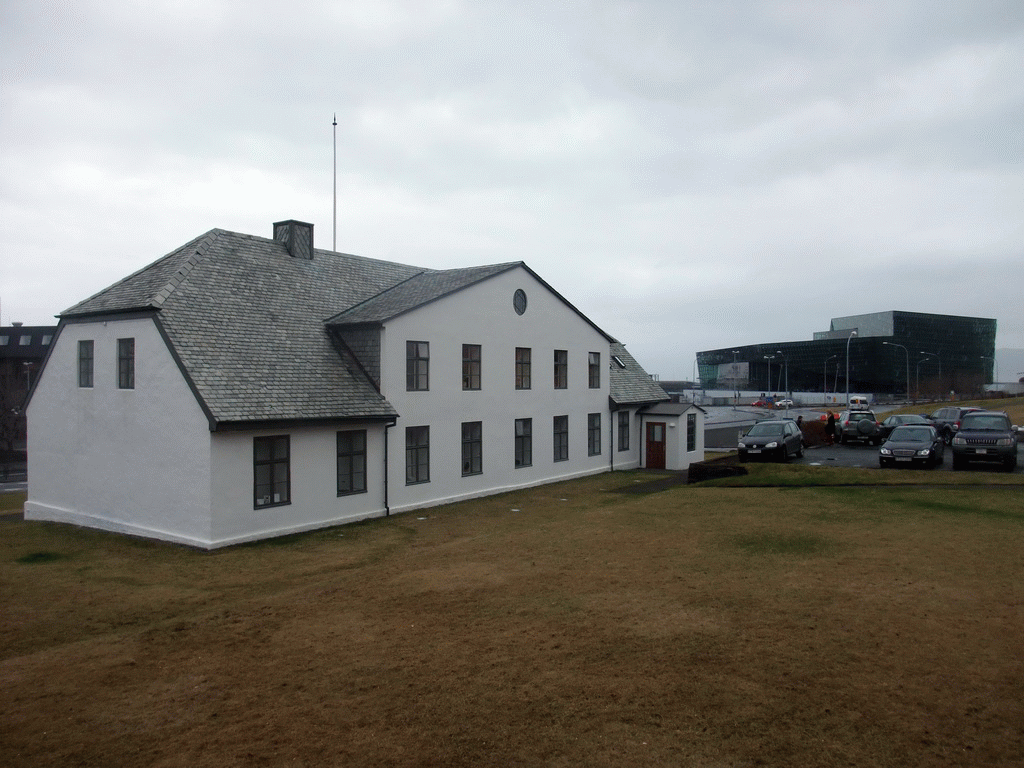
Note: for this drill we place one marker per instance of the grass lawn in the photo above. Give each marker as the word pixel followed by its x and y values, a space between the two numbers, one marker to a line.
pixel 576 624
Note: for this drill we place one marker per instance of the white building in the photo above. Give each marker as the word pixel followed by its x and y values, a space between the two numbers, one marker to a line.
pixel 244 387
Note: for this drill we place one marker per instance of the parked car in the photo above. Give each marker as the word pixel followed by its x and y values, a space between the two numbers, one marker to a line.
pixel 985 436
pixel 857 425
pixel 772 439
pixel 912 444
pixel 947 420
pixel 889 423
pixel 784 403
pixel 761 404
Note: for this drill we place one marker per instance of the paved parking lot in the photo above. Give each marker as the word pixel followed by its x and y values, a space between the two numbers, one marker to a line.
pixel 857 455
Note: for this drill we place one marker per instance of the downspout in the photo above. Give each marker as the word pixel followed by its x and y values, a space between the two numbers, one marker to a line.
pixel 611 435
pixel 387 509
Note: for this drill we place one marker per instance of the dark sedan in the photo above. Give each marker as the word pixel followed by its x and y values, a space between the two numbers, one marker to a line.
pixel 775 439
pixel 912 445
pixel 891 422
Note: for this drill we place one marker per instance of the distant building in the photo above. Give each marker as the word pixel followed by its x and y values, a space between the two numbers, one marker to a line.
pixel 933 354
pixel 244 387
pixel 22 350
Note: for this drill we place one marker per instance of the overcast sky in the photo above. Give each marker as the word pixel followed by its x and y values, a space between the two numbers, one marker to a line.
pixel 691 175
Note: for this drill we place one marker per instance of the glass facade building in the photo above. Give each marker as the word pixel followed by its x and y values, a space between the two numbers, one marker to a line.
pixel 890 352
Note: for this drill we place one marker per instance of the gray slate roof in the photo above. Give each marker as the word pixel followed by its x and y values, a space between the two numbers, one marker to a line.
pixel 250 325
pixel 247 322
pixel 631 385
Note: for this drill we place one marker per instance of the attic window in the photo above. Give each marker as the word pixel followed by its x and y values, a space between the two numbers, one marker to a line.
pixel 618 361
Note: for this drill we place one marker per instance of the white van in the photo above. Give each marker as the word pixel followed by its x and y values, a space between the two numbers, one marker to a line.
pixel 859 403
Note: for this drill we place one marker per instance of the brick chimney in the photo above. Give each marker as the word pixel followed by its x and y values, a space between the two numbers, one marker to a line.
pixel 297 237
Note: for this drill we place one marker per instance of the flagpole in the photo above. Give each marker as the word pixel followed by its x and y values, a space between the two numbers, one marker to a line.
pixel 334 245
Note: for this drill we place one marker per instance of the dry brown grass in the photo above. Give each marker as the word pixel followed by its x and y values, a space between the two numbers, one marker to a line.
pixel 562 626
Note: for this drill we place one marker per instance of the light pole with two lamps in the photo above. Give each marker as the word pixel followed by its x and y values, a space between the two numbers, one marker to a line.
pixel 893 344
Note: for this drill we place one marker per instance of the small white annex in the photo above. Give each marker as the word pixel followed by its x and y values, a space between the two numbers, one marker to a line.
pixel 244 387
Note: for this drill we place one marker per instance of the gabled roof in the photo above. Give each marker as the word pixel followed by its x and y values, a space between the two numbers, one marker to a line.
pixel 250 326
pixel 246 322
pixel 420 289
pixel 628 383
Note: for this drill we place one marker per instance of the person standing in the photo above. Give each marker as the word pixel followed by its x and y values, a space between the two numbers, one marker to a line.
pixel 830 428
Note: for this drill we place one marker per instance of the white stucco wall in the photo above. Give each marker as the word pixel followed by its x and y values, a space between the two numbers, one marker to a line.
pixel 129 460
pixel 314 497
pixel 483 314
pixel 677 457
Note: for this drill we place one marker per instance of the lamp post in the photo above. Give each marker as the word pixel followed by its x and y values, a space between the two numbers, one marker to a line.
pixel 848 340
pixel 937 359
pixel 893 344
pixel 994 363
pixel 769 358
pixel 735 380
pixel 786 361
pixel 824 376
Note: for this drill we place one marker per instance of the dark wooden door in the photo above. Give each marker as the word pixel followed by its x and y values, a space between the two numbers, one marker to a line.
pixel 656 445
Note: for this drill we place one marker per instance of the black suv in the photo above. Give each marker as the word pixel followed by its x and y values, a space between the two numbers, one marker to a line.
pixel 985 436
pixel 858 425
pixel 947 420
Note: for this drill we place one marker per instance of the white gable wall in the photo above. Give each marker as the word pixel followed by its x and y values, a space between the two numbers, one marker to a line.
pixel 129 460
pixel 483 314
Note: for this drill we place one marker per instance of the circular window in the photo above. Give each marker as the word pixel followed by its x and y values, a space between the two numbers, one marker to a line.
pixel 519 301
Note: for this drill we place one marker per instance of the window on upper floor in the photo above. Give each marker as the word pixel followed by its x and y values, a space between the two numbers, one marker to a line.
pixel 271 471
pixel 522 367
pixel 4 341
pixel 417 455
pixel 471 366
pixel 594 369
pixel 593 434
pixel 561 369
pixel 524 443
pixel 417 366
pixel 126 363
pixel 561 438
pixel 623 430
pixel 85 362
pixel 25 340
pixel 352 462
pixel 472 447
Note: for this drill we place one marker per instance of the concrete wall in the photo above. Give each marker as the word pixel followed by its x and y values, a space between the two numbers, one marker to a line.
pixel 130 460
pixel 483 314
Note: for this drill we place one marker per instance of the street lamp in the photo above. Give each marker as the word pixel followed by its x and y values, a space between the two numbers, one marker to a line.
pixel 996 364
pixel 937 360
pixel 848 340
pixel 893 344
pixel 786 361
pixel 769 358
pixel 824 375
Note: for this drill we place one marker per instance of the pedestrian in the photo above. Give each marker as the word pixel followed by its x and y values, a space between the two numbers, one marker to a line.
pixel 830 428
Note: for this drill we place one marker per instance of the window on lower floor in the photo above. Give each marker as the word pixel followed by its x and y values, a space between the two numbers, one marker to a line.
pixel 417 455
pixel 524 442
pixel 561 438
pixel 623 430
pixel 126 363
pixel 522 367
pixel 351 462
pixel 271 471
pixel 472 447
pixel 471 366
pixel 593 434
pixel 85 362
pixel 691 432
